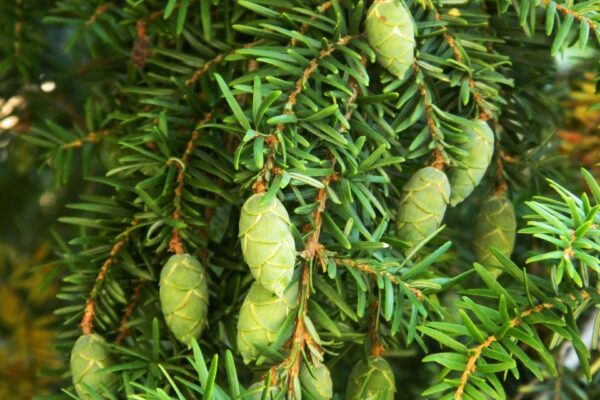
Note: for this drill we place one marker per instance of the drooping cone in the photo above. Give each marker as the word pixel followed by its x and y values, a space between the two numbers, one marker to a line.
pixel 496 226
pixel 317 381
pixel 479 147
pixel 262 314
pixel 370 381
pixel 422 208
pixel 267 242
pixel 390 32
pixel 184 297
pixel 89 355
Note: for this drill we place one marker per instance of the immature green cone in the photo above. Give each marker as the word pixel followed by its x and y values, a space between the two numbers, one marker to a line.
pixel 496 226
pixel 317 382
pixel 479 148
pixel 267 242
pixel 261 316
pixel 422 208
pixel 390 32
pixel 89 355
pixel 380 378
pixel 184 297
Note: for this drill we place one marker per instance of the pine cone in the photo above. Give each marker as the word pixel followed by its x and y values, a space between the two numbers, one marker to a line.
pixel 380 378
pixel 87 357
pixel 496 226
pixel 479 148
pixel 267 242
pixel 261 316
pixel 390 31
pixel 184 297
pixel 422 208
pixel 317 381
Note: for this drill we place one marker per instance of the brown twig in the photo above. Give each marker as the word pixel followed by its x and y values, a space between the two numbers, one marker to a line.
pixel 440 160
pixel 350 110
pixel 320 10
pixel 312 67
pixel 364 267
pixel 376 346
pixel 204 69
pixel 87 321
pixel 501 185
pixel 92 137
pixel 451 40
pixel 175 244
pixel 101 9
pixel 312 251
pixel 475 352
pixel 135 296
pixel 575 15
pixel 272 140
pixel 218 59
pixel 141 46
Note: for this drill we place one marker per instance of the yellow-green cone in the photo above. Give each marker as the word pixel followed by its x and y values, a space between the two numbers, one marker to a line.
pixel 89 355
pixel 390 32
pixel 422 208
pixel 496 226
pixel 261 316
pixel 479 147
pixel 369 381
pixel 267 242
pixel 317 381
pixel 184 297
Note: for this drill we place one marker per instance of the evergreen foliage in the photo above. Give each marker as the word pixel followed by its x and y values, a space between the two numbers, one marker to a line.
pixel 257 136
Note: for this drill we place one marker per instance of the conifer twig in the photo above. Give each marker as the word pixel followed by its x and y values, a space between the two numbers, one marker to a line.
pixel 87 321
pixel 141 46
pixel 451 40
pixel 501 185
pixel 475 352
pixel 272 140
pixel 308 71
pixel 135 296
pixel 364 267
pixel 92 137
pixel 216 60
pixel 376 346
pixel 440 159
pixel 312 251
pixel 175 244
pixel 320 10
pixel 565 11
pixel 101 9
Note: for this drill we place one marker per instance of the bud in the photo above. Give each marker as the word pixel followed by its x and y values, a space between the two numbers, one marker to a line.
pixel 261 316
pixel 378 377
pixel 89 355
pixel 422 208
pixel 184 297
pixel 496 226
pixel 479 148
pixel 267 242
pixel 317 382
pixel 390 32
